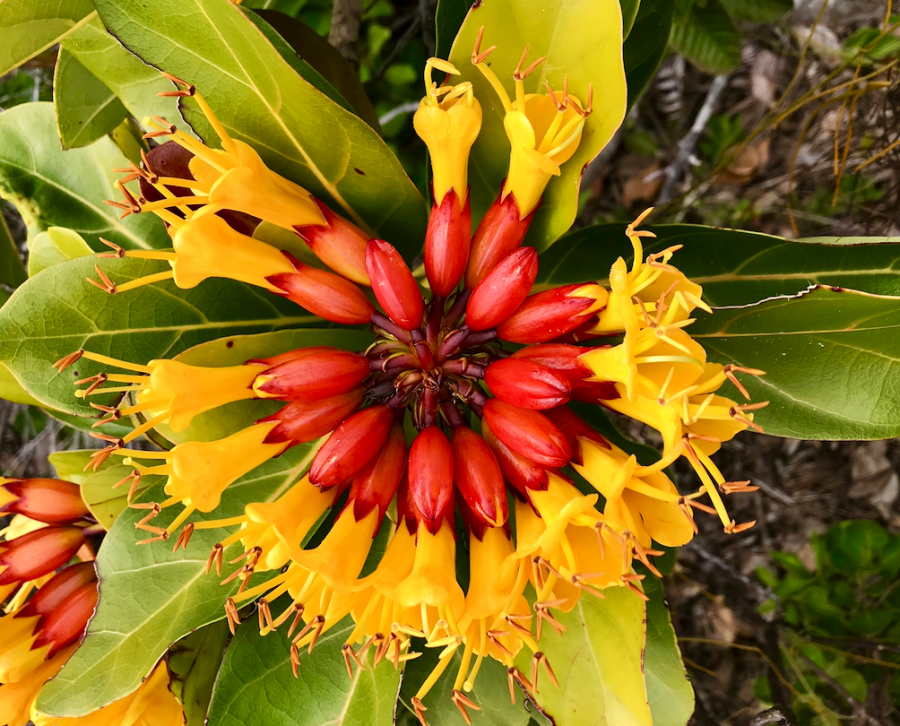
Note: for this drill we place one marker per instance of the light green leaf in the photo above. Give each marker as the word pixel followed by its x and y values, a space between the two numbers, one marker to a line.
pixel 646 45
pixel 57 312
pixel 706 36
pixel 734 267
pixel 194 663
pixel 759 11
pixel 86 110
pixel 28 28
pixel 668 689
pixel 12 271
pixel 11 390
pixel 259 98
pixel 56 188
pixel 582 40
pixel 255 667
pixel 831 360
pixel 55 245
pixel 598 662
pixel 150 597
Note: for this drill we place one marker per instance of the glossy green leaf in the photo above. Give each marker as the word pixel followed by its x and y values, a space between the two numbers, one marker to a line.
pixel 706 36
pixel 55 245
pixel 734 267
pixel 448 17
pixel 600 654
pixel 259 98
pixel 759 11
pixel 582 40
pixel 86 110
pixel 256 668
pixel 28 28
pixel 57 312
pixel 831 360
pixel 646 45
pixel 668 688
pixel 56 188
pixel 194 663
pixel 150 597
pixel 12 271
pixel 630 9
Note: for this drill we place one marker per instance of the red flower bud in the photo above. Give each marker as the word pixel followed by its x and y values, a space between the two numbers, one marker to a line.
pixel 60 587
pixel 38 553
pixel 565 359
pixel 499 233
pixel 67 622
pixel 351 446
pixel 324 373
pixel 501 293
pixel 277 360
pixel 324 294
pixel 47 500
pixel 478 477
pixel 406 511
pixel 575 428
pixel 376 484
pixel 394 286
pixel 595 392
pixel 547 315
pixel 431 477
pixel 338 243
pixel 523 474
pixel 304 421
pixel 447 242
pixel 528 433
pixel 526 384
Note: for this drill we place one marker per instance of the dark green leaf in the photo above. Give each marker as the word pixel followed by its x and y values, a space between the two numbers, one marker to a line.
pixel 257 667
pixel 194 663
pixel 855 545
pixel 12 271
pixel 86 109
pixel 758 11
pixel 27 27
pixel 56 188
pixel 706 36
pixel 830 358
pixel 448 17
pixel 646 45
pixel 260 99
pixel 630 9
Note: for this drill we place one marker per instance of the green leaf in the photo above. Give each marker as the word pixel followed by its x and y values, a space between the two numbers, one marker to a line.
pixel 734 267
pixel 57 312
pixel 646 45
pixel 600 654
pixel 758 11
pixel 630 9
pixel 194 663
pixel 855 545
pixel 86 110
pixel 706 36
pixel 448 17
pixel 55 245
pixel 150 597
pixel 10 390
pixel 260 99
pixel 830 357
pixel 256 667
pixel 56 188
pixel 491 693
pixel 28 28
pixel 582 40
pixel 668 688
pixel 12 271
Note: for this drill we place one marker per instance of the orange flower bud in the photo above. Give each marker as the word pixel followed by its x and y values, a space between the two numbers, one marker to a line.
pixel 38 553
pixel 394 286
pixel 338 243
pixel 528 433
pixel 447 241
pixel 375 485
pixel 574 428
pixel 479 479
pixel 321 374
pixel 303 421
pixel 526 384
pixel 352 445
pixel 499 233
pixel 522 473
pixel 548 315
pixel 46 500
pixel 431 477
pixel 501 293
pixel 66 623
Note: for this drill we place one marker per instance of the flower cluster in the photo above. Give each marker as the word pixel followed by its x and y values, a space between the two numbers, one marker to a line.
pixel 459 407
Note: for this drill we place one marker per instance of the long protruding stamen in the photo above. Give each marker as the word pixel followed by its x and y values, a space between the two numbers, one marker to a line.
pixel 148 280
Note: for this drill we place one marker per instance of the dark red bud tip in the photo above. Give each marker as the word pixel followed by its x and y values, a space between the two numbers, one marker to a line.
pixel 303 421
pixel 352 445
pixel 547 315
pixel 38 553
pixel 478 477
pixel 60 587
pixel 500 294
pixel 340 244
pixel 565 359
pixel 521 473
pixel 375 485
pixel 595 392
pixel 324 294
pixel 394 286
pixel 67 622
pixel 431 477
pixel 499 233
pixel 324 373
pixel 526 384
pixel 574 428
pixel 528 433
pixel 447 241
pixel 47 500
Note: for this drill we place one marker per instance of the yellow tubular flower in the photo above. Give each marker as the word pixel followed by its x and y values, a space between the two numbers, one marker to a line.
pixel 448 121
pixel 543 130
pixel 17 699
pixel 17 659
pixel 152 704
